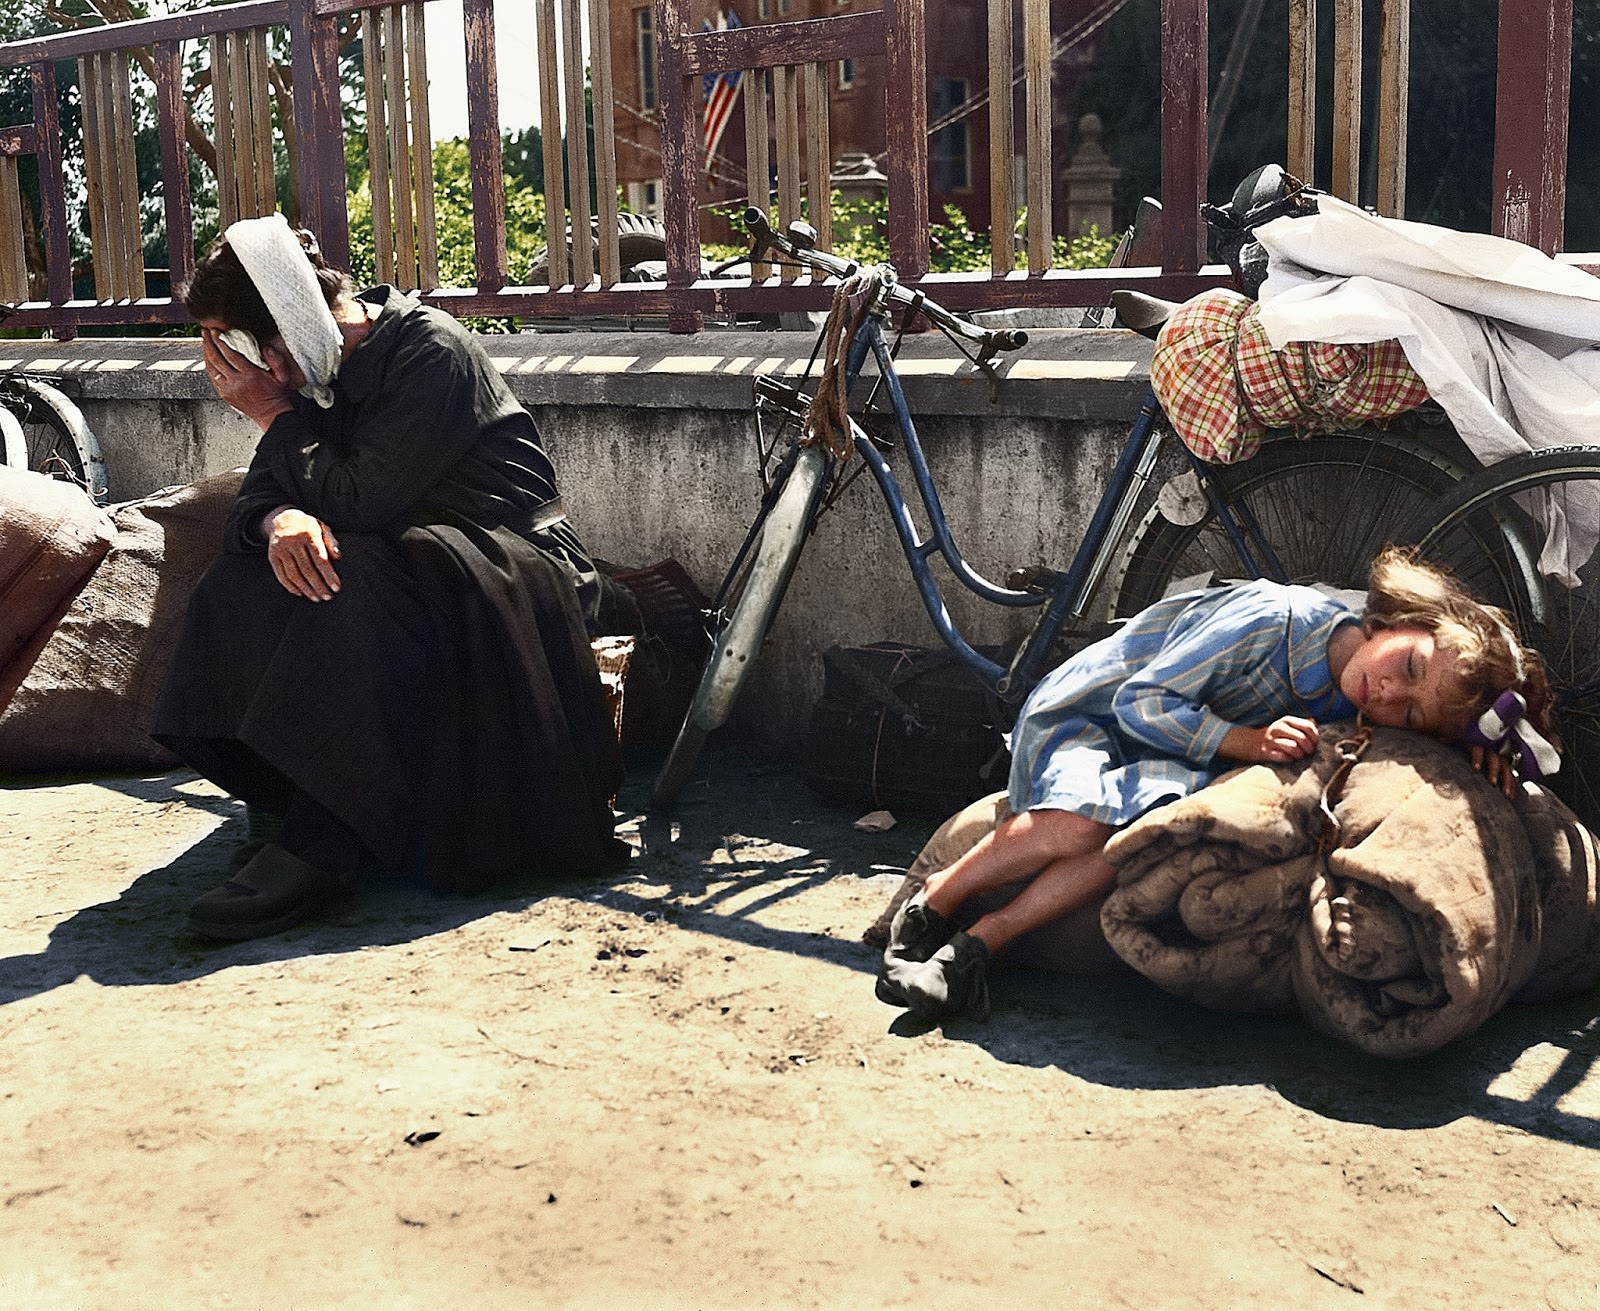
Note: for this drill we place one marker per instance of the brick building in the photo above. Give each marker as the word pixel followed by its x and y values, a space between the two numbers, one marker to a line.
pixel 958 144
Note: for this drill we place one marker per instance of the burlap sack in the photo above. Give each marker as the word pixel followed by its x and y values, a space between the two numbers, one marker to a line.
pixel 87 702
pixel 51 538
pixel 1566 865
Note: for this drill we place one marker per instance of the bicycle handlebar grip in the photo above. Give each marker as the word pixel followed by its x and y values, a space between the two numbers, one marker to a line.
pixel 755 219
pixel 1012 339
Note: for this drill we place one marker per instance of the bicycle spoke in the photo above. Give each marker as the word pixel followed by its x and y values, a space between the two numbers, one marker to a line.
pixel 1325 506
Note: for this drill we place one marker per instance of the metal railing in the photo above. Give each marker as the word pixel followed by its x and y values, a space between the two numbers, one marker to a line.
pixel 251 104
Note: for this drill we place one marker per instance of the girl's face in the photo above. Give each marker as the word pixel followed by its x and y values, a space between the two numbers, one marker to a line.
pixel 1396 678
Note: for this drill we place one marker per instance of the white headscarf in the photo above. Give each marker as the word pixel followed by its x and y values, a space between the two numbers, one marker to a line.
pixel 276 262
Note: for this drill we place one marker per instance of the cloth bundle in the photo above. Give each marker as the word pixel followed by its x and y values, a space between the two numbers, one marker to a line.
pixel 1502 335
pixel 91 688
pixel 51 538
pixel 1433 909
pixel 1222 384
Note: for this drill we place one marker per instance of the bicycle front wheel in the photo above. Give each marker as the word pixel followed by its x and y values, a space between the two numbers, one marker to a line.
pixel 749 601
pixel 55 436
pixel 1326 505
pixel 1490 532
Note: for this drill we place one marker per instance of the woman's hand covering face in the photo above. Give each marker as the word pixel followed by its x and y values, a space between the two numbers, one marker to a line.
pixel 261 395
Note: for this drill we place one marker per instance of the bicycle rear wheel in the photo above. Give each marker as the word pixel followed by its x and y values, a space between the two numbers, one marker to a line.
pixel 748 601
pixel 55 436
pixel 1489 532
pixel 1326 505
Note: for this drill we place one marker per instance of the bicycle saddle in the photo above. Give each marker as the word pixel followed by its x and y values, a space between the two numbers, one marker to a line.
pixel 1144 314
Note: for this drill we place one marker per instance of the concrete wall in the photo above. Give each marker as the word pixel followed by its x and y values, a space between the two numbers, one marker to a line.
pixel 653 439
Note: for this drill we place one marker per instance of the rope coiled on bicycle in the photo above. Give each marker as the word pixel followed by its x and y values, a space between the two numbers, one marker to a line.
pixel 828 415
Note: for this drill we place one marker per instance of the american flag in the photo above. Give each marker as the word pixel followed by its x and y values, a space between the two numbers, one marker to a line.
pixel 721 91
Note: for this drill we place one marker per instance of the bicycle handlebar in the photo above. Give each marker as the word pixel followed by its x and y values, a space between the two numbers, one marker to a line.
pixel 764 238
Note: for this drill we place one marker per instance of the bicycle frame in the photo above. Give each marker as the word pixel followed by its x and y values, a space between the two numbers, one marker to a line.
pixel 1067 595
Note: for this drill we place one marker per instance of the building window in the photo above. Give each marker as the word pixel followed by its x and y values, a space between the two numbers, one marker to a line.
pixel 847 74
pixel 763 8
pixel 645 40
pixel 949 149
pixel 783 6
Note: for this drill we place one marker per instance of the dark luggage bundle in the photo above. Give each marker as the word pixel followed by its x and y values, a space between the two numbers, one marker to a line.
pixel 904 728
pixel 666 665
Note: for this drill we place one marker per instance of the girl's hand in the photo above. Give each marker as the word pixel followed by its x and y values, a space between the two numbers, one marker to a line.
pixel 301 550
pixel 1290 738
pixel 261 395
pixel 1498 769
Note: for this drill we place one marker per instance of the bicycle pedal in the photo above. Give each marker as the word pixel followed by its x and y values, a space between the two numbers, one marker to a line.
pixel 1033 578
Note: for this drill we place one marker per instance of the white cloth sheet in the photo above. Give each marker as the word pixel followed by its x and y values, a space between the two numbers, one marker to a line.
pixel 1503 336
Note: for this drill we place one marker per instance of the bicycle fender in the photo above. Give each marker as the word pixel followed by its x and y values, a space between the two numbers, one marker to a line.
pixel 782 536
pixel 13 446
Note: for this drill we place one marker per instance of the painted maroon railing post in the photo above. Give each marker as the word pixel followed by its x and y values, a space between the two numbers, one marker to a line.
pixel 680 158
pixel 1184 163
pixel 1532 93
pixel 483 144
pixel 319 121
pixel 170 110
pixel 52 190
pixel 906 135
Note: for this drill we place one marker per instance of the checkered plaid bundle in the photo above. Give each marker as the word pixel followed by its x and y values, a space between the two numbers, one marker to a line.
pixel 1222 385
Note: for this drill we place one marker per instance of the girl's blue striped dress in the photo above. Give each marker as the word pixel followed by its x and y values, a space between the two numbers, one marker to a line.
pixel 1135 720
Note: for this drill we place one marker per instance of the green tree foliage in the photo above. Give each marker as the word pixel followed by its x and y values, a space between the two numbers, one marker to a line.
pixel 452 179
pixel 523 156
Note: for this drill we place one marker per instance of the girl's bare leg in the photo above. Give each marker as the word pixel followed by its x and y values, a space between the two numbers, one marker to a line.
pixel 1064 852
pixel 1020 846
pixel 1060 888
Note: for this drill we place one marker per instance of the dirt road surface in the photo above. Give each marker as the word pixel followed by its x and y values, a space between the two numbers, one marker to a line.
pixel 674 1089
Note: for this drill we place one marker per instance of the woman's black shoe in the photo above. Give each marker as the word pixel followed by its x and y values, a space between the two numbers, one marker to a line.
pixel 274 891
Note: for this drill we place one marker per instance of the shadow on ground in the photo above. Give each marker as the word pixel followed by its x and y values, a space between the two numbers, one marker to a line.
pixel 718 845
pixel 748 836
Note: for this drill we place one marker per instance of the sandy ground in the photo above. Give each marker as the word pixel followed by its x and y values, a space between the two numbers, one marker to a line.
pixel 675 1089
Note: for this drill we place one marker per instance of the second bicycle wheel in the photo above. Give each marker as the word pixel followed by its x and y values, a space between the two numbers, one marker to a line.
pixel 1326 505
pixel 747 603
pixel 1490 533
pixel 55 436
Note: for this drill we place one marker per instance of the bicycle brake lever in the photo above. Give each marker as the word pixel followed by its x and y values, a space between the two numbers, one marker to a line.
pixel 984 361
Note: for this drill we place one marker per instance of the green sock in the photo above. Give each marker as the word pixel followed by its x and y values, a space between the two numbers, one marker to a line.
pixel 262 826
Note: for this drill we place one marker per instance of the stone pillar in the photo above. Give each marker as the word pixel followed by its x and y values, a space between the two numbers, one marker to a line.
pixel 1090 182
pixel 858 181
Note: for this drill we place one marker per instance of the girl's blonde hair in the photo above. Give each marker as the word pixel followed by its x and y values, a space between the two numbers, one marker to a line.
pixel 1406 592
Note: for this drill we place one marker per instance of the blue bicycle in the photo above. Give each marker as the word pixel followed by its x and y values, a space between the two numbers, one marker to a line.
pixel 1301 510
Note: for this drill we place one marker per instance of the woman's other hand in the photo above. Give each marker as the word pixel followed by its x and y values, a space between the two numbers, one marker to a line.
pixel 301 550
pixel 1498 769
pixel 261 395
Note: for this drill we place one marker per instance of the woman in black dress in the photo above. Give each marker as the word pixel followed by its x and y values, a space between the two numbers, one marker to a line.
pixel 392 655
